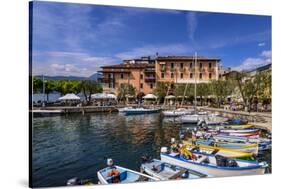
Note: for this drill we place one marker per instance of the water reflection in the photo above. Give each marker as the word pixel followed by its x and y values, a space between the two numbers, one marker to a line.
pixel 77 146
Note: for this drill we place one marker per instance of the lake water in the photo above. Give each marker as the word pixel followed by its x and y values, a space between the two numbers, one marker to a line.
pixel 78 146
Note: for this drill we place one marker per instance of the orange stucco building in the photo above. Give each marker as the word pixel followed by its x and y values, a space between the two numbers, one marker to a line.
pixel 143 73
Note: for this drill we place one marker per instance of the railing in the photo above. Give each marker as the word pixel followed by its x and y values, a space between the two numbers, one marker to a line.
pixel 149 70
pixel 150 79
pixel 106 80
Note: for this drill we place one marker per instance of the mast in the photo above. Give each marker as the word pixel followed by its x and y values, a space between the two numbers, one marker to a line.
pixel 43 91
pixel 195 81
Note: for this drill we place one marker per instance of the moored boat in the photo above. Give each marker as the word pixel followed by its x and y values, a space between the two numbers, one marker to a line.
pixel 194 118
pixel 136 111
pixel 240 147
pixel 166 171
pixel 226 152
pixel 215 165
pixel 118 174
pixel 177 112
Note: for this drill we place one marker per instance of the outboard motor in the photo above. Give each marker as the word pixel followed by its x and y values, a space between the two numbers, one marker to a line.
pixel 73 182
pixel 185 174
pixel 109 162
pixel 232 163
pixel 145 158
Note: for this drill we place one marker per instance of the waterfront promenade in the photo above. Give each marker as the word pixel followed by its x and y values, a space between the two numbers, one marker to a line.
pixel 259 119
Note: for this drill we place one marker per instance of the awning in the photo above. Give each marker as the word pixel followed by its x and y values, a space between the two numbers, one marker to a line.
pixel 150 96
pixel 103 96
pixel 170 97
pixel 69 96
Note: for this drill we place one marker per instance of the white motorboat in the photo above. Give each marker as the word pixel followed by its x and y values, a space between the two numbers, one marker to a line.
pixel 215 165
pixel 165 171
pixel 117 174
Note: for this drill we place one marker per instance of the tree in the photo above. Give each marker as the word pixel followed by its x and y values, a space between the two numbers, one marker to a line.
pixel 188 89
pixel 253 87
pixel 49 87
pixel 203 90
pixel 161 89
pixel 221 89
pixel 37 85
pixel 125 89
pixel 89 87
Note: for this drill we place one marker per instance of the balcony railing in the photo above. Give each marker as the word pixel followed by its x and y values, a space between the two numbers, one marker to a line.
pixel 149 79
pixel 182 69
pixel 149 70
pixel 163 68
pixel 106 80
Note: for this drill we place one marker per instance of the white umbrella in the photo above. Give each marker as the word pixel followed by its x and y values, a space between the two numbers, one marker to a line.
pixel 170 97
pixel 150 96
pixel 103 96
pixel 70 96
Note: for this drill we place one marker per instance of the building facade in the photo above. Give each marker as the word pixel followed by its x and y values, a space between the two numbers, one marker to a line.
pixel 143 73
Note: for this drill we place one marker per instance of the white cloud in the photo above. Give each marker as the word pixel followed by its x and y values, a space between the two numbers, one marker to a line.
pixel 261 44
pixel 251 63
pixel 151 50
pixel 69 63
pixel 191 24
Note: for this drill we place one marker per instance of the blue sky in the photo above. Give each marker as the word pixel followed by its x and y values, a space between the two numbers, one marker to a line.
pixel 76 39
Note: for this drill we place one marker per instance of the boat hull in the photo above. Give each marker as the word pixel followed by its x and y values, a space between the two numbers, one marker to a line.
pixel 139 112
pixel 215 172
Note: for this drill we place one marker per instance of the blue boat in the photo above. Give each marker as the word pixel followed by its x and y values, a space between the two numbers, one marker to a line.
pixel 213 165
pixel 137 111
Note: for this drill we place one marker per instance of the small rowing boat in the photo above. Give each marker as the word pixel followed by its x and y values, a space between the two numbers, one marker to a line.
pixel 240 147
pixel 215 165
pixel 166 171
pixel 226 152
pixel 118 174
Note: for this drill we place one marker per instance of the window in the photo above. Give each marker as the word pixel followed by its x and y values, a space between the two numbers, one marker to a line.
pixel 172 65
pixel 121 76
pixel 210 75
pixel 141 85
pixel 191 75
pixel 141 76
pixel 151 86
pixel 181 75
pixel 162 75
pixel 201 65
pixel 172 75
pixel 200 75
pixel 190 65
pixel 219 75
pixel 181 65
pixel 210 65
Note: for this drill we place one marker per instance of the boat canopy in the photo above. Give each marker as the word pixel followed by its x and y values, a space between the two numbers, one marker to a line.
pixel 69 96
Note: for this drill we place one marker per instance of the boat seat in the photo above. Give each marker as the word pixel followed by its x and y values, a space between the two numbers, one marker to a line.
pixel 123 175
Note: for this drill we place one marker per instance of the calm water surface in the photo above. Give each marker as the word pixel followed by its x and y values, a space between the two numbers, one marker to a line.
pixel 78 146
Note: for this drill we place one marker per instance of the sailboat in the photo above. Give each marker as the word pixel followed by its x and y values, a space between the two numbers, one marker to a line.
pixel 197 116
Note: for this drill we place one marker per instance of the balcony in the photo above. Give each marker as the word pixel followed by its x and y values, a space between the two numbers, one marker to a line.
pixel 163 68
pixel 149 70
pixel 149 79
pixel 211 69
pixel 202 69
pixel 182 69
pixel 106 80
